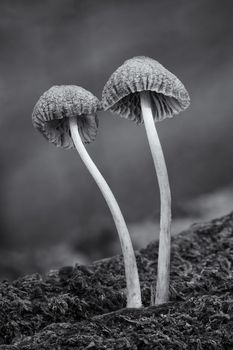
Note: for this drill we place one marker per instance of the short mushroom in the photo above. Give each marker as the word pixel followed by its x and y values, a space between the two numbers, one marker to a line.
pixel 66 115
pixel 144 91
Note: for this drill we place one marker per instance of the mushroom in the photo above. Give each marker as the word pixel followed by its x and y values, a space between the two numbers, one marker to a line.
pixel 67 117
pixel 144 91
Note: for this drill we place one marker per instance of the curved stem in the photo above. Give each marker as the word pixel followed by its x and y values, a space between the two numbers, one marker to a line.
pixel 131 272
pixel 163 278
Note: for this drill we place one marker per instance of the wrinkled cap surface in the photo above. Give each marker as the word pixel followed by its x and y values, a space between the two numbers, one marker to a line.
pixel 121 92
pixel 56 105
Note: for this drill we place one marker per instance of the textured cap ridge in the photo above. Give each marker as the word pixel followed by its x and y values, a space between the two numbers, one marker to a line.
pixel 56 105
pixel 121 92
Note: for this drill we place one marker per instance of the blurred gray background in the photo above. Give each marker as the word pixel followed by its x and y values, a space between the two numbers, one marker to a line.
pixel 51 211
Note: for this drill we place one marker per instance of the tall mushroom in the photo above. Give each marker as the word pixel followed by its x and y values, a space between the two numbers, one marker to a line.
pixel 67 117
pixel 144 91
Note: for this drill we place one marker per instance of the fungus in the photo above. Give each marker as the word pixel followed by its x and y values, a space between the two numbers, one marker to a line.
pixel 67 117
pixel 144 91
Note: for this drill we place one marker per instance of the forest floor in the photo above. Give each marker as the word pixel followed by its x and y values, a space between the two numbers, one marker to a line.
pixel 83 307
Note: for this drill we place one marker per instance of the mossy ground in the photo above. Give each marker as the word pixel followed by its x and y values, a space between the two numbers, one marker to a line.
pixel 66 309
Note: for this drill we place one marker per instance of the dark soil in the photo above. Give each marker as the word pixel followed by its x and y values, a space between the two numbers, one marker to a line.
pixel 73 308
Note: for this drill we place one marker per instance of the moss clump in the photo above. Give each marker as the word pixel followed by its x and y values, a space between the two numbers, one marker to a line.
pixel 65 309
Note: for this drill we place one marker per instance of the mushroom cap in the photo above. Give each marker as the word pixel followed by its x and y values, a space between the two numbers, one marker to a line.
pixel 121 92
pixel 56 105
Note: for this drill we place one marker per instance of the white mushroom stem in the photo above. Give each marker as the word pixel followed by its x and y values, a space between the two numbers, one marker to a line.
pixel 131 272
pixel 163 274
